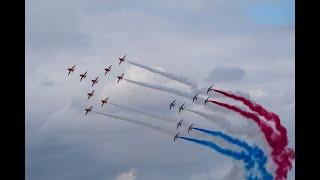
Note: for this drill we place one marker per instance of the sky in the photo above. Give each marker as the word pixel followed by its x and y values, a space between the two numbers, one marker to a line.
pixel 245 46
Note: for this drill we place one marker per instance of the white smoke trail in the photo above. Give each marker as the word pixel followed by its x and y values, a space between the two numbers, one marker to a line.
pixel 223 123
pixel 217 140
pixel 188 95
pixel 146 114
pixel 181 79
pixel 170 133
pixel 184 124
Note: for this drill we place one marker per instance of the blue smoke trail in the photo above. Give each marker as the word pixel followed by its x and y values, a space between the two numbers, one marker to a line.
pixel 248 159
pixel 227 138
pixel 254 151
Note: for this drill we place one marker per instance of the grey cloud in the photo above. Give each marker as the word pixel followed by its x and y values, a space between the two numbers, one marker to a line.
pixel 223 74
pixel 47 83
pixel 186 38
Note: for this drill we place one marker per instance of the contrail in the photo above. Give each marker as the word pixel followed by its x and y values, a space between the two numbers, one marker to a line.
pixel 146 114
pixel 137 122
pixel 172 121
pixel 284 165
pixel 176 92
pixel 181 79
pixel 281 155
pixel 219 141
pixel 251 164
pixel 225 124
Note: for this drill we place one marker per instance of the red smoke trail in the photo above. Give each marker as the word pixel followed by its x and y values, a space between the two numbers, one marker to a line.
pixel 281 155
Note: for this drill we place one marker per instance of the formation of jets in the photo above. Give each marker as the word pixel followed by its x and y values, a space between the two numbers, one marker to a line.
pixel 182 107
pixel 95 81
pixel 120 77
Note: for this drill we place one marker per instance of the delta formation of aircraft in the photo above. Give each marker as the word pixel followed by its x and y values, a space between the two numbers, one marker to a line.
pixel 95 81
pixel 104 101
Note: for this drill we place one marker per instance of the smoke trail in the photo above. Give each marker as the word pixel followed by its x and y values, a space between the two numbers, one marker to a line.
pixel 285 164
pixel 176 92
pixel 137 122
pixel 254 151
pixel 144 113
pixel 227 138
pixel 250 162
pixel 171 76
pixel 281 155
pixel 225 124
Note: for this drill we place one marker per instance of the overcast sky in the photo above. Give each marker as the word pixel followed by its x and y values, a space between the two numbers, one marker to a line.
pixel 245 46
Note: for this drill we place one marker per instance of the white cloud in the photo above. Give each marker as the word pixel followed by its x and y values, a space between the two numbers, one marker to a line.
pixel 258 93
pixel 128 175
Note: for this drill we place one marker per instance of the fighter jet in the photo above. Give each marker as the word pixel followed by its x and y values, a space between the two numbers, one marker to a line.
pixel 71 69
pixel 209 89
pixel 172 104
pixel 107 69
pixel 122 59
pixel 181 108
pixel 195 97
pixel 90 94
pixel 104 101
pixel 88 110
pixel 83 76
pixel 176 137
pixel 205 102
pixel 179 124
pixel 120 77
pixel 94 81
pixel 190 128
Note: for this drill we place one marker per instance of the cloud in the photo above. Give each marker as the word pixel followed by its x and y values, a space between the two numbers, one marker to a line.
pixel 47 83
pixel 224 74
pixel 186 38
pixel 258 93
pixel 128 175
